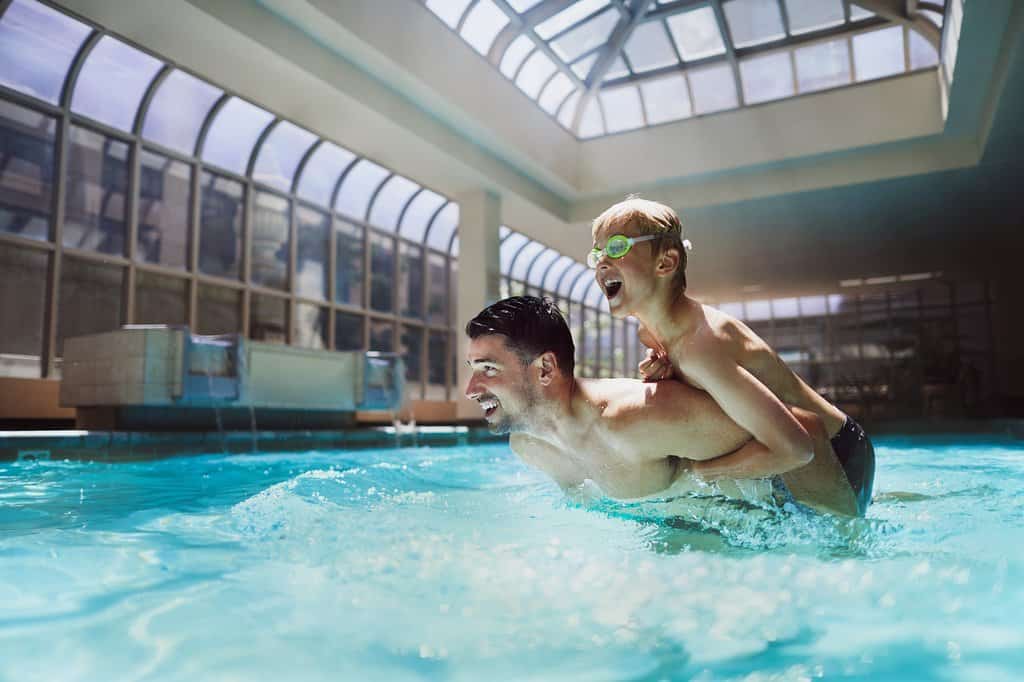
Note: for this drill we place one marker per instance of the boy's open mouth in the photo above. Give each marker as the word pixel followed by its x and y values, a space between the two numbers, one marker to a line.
pixel 612 287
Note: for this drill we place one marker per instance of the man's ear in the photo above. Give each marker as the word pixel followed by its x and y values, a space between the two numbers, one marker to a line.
pixel 668 262
pixel 547 364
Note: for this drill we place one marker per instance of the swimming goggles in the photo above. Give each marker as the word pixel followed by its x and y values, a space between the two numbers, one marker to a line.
pixel 618 246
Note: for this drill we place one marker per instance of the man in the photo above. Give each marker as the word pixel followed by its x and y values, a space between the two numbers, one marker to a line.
pixel 632 439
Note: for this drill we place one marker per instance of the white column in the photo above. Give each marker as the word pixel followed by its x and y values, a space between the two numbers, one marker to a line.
pixel 479 276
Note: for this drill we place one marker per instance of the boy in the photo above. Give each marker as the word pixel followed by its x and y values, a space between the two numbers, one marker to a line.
pixel 639 259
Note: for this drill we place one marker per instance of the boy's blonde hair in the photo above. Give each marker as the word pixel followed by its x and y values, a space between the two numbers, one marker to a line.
pixel 649 217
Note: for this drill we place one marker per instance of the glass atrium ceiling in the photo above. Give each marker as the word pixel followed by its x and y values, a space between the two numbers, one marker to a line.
pixel 60 63
pixel 608 66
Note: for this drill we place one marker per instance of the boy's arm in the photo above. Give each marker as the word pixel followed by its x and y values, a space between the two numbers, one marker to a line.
pixel 780 442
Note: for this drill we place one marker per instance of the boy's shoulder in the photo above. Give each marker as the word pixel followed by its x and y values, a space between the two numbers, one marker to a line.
pixel 726 328
pixel 713 329
pixel 718 338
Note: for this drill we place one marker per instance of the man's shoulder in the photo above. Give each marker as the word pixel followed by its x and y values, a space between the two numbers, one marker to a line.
pixel 633 399
pixel 613 394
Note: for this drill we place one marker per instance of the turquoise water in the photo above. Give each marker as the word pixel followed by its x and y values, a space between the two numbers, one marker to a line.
pixel 460 563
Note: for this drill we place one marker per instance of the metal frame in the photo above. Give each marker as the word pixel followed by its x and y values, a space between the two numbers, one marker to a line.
pixel 129 264
pixel 597 356
pixel 636 12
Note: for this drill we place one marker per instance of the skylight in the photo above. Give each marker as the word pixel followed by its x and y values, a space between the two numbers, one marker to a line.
pixel 607 66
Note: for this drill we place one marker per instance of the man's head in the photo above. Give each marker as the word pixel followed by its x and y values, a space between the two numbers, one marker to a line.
pixel 634 277
pixel 518 347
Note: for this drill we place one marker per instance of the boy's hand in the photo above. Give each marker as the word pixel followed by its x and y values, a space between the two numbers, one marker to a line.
pixel 655 366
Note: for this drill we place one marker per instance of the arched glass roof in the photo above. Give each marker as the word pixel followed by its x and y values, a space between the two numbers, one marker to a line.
pixel 419 213
pixel 529 261
pixel 594 296
pixel 360 184
pixel 112 82
pixel 535 272
pixel 442 229
pixel 37 47
pixel 236 127
pixel 389 201
pixel 607 66
pixel 322 171
pixel 568 278
pixel 63 62
pixel 524 258
pixel 177 111
pixel 580 284
pixel 554 272
pixel 510 246
pixel 278 157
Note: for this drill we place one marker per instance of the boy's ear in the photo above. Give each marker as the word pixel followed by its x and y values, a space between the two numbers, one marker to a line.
pixel 547 365
pixel 667 263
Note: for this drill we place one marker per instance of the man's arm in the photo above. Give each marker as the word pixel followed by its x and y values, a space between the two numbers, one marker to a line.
pixel 541 456
pixel 780 442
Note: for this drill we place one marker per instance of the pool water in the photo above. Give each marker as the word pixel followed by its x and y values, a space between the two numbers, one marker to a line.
pixel 462 564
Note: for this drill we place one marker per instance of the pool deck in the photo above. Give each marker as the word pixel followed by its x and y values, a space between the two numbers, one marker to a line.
pixel 136 445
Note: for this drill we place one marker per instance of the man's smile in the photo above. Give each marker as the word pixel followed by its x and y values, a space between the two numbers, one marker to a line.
pixel 489 405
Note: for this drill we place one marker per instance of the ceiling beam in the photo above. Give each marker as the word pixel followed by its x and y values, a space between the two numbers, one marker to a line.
pixel 635 11
pixel 527 20
pixel 904 12
pixel 730 49
pixel 541 44
pixel 665 11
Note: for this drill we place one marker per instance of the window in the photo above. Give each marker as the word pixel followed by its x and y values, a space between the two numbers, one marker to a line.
pixel 382 272
pixel 165 199
pixel 220 310
pixel 22 306
pixel 160 299
pixel 436 355
pixel 112 82
pixel 95 210
pixel 311 258
pixel 220 226
pixel 437 289
pixel 410 284
pixel 268 319
pixel 382 335
pixel 90 299
pixel 271 227
pixel 412 347
pixel 348 286
pixel 311 326
pixel 348 331
pixel 27 141
pixel 177 111
pixel 280 154
pixel 37 46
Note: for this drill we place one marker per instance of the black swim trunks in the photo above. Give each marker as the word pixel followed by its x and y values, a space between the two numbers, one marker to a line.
pixel 857 455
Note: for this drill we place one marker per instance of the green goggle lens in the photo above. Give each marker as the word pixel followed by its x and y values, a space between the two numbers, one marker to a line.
pixel 618 246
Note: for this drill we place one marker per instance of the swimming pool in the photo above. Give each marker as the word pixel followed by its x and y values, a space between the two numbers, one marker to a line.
pixel 460 563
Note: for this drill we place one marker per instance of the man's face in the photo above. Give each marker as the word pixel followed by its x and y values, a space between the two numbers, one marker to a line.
pixel 629 279
pixel 500 383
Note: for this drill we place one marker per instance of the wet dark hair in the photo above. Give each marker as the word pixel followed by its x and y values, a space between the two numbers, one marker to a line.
pixel 531 326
